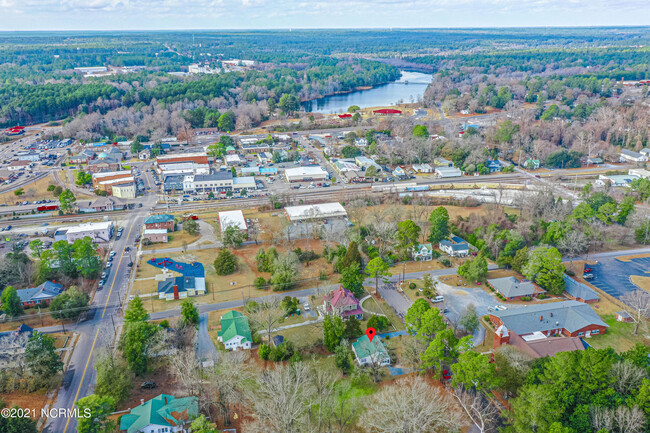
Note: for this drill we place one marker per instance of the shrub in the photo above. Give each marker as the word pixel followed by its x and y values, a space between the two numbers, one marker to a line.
pixel 570 273
pixel 445 261
pixel 322 276
pixel 542 296
pixel 260 283
pixel 412 286
pixel 164 324
pixel 526 298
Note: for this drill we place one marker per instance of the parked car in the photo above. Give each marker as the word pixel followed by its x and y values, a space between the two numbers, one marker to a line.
pixel 588 276
pixel 446 375
pixel 587 270
pixel 130 264
pixel 127 249
pixel 148 385
pixel 438 298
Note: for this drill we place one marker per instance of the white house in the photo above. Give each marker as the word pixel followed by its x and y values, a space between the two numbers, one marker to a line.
pixel 628 155
pixel 456 247
pixel 423 252
pixel 235 332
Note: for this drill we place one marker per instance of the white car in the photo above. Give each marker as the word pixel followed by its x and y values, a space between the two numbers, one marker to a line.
pixel 500 307
pixel 438 298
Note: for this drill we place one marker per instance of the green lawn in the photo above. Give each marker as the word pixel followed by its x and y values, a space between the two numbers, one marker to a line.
pixel 619 336
pixel 303 336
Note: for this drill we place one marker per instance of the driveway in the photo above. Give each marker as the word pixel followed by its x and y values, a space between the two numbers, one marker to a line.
pixel 205 349
pixel 612 275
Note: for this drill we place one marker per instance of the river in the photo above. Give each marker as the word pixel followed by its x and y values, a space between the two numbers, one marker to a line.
pixel 409 88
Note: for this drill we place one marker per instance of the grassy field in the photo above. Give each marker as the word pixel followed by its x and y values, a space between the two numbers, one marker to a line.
pixel 222 288
pixel 619 336
pixel 642 282
pixel 33 191
pixel 178 239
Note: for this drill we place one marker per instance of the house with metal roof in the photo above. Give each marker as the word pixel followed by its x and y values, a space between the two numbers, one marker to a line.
pixel 456 247
pixel 579 291
pixel 179 288
pixel 235 331
pixel 514 289
pixel 40 295
pixel 368 352
pixel 569 318
pixel 164 413
pixel 629 155
pixel 343 303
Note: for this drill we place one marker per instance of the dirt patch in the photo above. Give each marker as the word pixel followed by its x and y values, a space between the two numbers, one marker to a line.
pixel 165 384
pixel 32 191
pixel 34 400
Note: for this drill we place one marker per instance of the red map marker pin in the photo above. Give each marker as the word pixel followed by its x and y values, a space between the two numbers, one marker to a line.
pixel 370 332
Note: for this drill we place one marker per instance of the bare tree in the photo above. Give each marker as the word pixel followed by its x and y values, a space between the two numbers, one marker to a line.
pixel 628 376
pixel 267 315
pixel 279 400
pixel 621 419
pixel 481 411
pixel 225 382
pixel 323 381
pixel 184 369
pixel 575 242
pixel 409 405
pixel 639 303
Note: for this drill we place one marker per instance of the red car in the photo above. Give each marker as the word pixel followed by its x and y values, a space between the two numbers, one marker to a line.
pixel 587 270
pixel 446 375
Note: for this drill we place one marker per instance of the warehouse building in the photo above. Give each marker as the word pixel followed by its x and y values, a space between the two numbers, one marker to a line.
pixel 315 211
pixel 305 174
pixel 183 163
pixel 247 183
pixel 448 172
pixel 124 190
pixel 232 218
pixel 98 232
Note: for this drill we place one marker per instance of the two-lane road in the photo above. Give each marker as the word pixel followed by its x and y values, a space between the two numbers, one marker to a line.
pixel 106 303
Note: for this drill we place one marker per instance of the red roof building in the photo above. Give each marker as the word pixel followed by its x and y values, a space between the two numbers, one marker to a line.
pixel 345 116
pixel 342 302
pixel 388 111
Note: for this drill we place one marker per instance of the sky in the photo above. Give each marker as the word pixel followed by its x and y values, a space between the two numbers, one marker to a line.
pixel 283 14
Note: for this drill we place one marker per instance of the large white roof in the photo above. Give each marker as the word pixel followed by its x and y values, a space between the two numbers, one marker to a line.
pixel 322 210
pixel 305 171
pixel 90 227
pixel 233 218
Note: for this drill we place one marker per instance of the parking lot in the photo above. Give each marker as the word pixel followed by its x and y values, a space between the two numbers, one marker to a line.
pixel 612 275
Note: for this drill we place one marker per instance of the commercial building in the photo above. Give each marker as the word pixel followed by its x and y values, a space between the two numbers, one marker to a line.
pixel 156 235
pixel 232 218
pixel 537 345
pixel 639 172
pixel 513 289
pixel 173 183
pixel 305 174
pixel 247 183
pixel 232 160
pixel 28 156
pixel 125 190
pixel 364 162
pixel 99 232
pixel 160 221
pixel 616 179
pixel 579 292
pixel 213 182
pixel 19 165
pixel 445 172
pixel 104 181
pixel 193 285
pixel 422 168
pixel 183 163
pixel 569 318
pixel 235 331
pixel 628 155
pixel 315 211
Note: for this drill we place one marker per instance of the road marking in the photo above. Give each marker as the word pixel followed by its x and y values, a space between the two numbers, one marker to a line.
pixel 108 298
pixel 82 378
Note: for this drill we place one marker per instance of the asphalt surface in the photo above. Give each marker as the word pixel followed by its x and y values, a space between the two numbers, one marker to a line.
pixel 612 276
pixel 106 305
pixel 205 349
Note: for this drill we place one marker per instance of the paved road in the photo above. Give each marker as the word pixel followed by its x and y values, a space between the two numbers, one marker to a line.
pixel 205 349
pixel 106 305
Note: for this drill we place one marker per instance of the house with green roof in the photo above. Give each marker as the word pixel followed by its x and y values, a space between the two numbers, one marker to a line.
pixel 162 414
pixel 369 352
pixel 160 221
pixel 235 331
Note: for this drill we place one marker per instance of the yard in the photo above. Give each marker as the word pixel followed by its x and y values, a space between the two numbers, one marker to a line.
pixel 619 336
pixel 177 239
pixel 33 191
pixel 223 288
pixel 642 282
